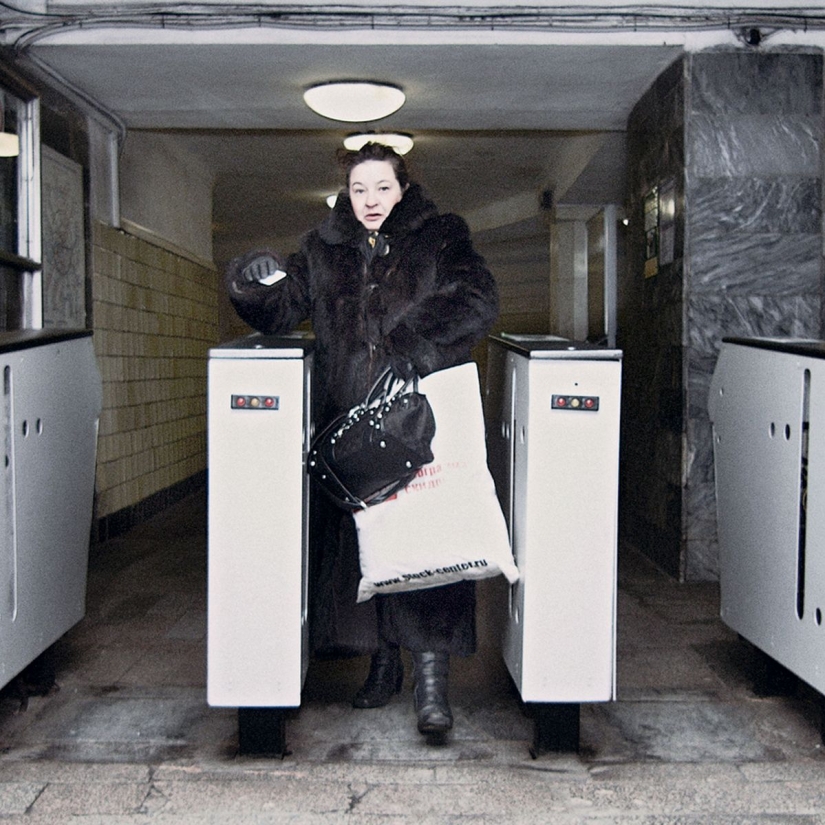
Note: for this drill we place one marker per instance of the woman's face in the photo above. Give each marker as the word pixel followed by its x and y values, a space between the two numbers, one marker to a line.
pixel 373 191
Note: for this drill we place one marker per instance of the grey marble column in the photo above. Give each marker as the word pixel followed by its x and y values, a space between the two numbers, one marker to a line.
pixel 739 135
pixel 753 251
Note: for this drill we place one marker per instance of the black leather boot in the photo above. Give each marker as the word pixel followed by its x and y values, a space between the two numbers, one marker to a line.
pixel 430 671
pixel 383 681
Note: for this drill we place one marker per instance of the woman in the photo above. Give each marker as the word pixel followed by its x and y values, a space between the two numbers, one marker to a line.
pixel 385 280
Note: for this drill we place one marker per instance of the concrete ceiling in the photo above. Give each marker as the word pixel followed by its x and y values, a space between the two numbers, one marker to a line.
pixel 495 125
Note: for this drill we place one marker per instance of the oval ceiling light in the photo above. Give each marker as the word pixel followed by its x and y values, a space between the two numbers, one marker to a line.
pixel 402 143
pixel 9 145
pixel 354 101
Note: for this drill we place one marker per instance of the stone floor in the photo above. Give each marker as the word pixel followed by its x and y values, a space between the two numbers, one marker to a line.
pixel 128 737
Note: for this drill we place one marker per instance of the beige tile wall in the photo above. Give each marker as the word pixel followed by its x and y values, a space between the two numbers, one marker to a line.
pixel 155 316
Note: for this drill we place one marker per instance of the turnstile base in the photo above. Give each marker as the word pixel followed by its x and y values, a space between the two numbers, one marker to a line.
pixel 555 727
pixel 262 732
pixel 770 678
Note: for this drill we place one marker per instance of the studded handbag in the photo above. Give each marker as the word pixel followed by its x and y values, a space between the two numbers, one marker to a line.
pixel 367 455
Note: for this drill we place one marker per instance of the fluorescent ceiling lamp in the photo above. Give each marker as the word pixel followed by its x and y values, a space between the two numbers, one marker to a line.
pixel 9 145
pixel 400 142
pixel 354 101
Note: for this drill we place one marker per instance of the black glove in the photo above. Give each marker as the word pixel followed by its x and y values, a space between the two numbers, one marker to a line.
pixel 254 267
pixel 260 268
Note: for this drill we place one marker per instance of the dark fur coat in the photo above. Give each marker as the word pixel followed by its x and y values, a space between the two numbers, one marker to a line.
pixel 420 300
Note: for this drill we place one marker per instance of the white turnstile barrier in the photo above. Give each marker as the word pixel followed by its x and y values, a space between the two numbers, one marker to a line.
pixel 553 412
pixel 50 402
pixel 258 515
pixel 767 407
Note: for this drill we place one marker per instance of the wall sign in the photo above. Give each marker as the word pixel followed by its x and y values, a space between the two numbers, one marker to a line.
pixel 652 232
pixel 660 227
pixel 667 222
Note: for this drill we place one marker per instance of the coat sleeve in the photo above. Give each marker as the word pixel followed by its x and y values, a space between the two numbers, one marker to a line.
pixel 457 310
pixel 275 309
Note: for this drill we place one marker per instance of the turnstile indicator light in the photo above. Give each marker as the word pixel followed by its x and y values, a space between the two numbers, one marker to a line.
pixel 255 402
pixel 589 403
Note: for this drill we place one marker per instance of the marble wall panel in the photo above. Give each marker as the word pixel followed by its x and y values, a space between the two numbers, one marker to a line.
pixel 725 146
pixel 701 559
pixel 754 235
pixel 788 205
pixel 741 132
pixel 756 263
pixel 650 332
pixel 761 83
pixel 699 502
pixel 714 316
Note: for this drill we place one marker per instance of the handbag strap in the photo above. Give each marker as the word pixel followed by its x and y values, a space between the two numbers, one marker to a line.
pixel 387 387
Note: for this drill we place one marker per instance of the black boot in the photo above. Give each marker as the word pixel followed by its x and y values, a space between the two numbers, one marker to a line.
pixel 383 681
pixel 430 672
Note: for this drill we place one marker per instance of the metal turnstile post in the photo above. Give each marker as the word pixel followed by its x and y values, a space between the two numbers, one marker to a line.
pixel 258 521
pixel 552 411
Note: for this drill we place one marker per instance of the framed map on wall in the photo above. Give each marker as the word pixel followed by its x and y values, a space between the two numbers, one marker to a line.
pixel 64 242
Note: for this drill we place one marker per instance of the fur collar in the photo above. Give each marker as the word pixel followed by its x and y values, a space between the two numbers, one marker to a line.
pixel 408 215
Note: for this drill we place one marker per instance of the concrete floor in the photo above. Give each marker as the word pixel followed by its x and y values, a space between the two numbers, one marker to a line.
pixel 129 738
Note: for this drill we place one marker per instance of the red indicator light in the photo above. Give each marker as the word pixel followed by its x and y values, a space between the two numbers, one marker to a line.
pixel 241 402
pixel 589 403
pixel 562 402
pixel 269 402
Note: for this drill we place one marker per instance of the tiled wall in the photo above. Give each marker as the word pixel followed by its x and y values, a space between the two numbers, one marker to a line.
pixel 155 317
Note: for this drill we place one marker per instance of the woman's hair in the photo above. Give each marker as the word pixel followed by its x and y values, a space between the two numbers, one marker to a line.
pixel 348 160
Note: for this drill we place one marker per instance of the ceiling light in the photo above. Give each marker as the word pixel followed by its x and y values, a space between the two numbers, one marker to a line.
pixel 332 200
pixel 396 140
pixel 9 142
pixel 354 101
pixel 9 145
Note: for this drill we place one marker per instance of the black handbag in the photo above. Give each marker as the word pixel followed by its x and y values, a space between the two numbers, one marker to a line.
pixel 370 453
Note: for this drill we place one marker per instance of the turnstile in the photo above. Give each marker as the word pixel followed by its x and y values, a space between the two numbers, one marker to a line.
pixel 767 408
pixel 258 514
pixel 49 410
pixel 552 410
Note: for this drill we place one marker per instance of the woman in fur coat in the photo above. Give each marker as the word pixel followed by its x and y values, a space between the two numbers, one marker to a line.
pixel 385 280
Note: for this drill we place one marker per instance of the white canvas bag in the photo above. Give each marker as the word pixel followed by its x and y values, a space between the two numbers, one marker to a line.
pixel 447 524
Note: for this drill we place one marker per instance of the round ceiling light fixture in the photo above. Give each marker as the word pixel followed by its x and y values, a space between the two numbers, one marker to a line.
pixel 9 145
pixel 354 101
pixel 401 142
pixel 9 142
